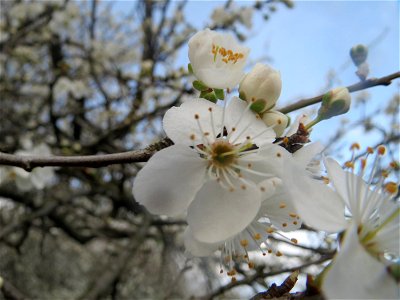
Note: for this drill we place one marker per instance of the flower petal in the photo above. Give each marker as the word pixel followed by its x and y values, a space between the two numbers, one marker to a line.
pixel 350 187
pixel 170 180
pixel 280 210
pixel 318 205
pixel 181 126
pixel 217 214
pixel 197 248
pixel 246 124
pixel 304 155
pixel 355 274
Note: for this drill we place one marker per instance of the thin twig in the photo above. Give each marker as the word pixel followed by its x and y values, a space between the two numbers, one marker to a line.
pixel 29 162
pixel 385 81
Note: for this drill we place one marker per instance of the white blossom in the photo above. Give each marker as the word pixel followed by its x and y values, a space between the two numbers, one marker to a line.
pixel 210 172
pixel 217 59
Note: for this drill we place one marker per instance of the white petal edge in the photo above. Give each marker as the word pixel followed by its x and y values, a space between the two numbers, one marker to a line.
pixel 169 181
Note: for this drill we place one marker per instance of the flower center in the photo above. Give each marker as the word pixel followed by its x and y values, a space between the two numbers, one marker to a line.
pixel 223 153
pixel 227 55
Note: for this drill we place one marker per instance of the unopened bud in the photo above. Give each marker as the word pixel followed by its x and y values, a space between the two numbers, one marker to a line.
pixel 262 87
pixel 359 54
pixel 334 103
pixel 278 120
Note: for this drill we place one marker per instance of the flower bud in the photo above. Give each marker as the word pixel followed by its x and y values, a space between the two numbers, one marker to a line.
pixel 334 103
pixel 359 54
pixel 278 120
pixel 262 87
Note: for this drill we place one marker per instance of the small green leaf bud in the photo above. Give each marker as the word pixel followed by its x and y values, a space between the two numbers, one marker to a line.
pixel 261 84
pixel 359 54
pixel 334 103
pixel 277 119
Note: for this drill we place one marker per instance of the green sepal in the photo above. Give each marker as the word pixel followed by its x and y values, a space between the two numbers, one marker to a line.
pixel 289 121
pixel 219 93
pixel 335 109
pixel 394 271
pixel 190 68
pixel 198 85
pixel 210 96
pixel 242 95
pixel 258 106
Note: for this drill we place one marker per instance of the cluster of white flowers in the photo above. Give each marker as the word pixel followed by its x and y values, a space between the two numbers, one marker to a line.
pixel 231 176
pixel 225 172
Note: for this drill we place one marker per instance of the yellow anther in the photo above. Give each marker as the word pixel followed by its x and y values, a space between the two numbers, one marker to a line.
pixel 210 109
pixel 294 241
pixel 285 140
pixel 251 265
pixel 349 164
pixel 355 146
pixel 262 189
pixel 206 133
pixel 196 116
pixel 325 179
pixel 269 251
pixel 295 223
pixel 282 205
pixel 395 165
pixel 243 187
pixel 269 230
pixel 192 137
pixel 293 215
pixel 370 150
pixel 392 188
pixel 233 279
pixel 244 243
pixel 385 173
pixel 381 150
pixel 278 253
pixel 363 162
pixel 278 154
pixel 284 224
pixel 249 165
pixel 257 236
pixel 231 272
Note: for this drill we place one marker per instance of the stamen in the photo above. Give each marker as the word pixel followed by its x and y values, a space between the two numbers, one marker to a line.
pixel 382 150
pixel 392 188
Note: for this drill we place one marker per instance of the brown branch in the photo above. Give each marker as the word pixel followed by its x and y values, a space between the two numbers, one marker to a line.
pixel 261 274
pixel 385 81
pixel 30 162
